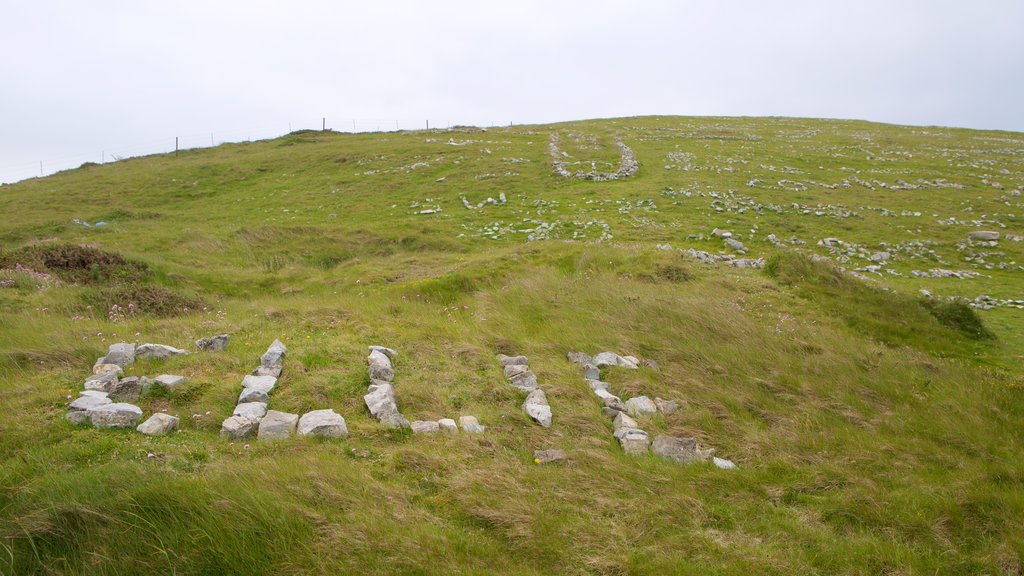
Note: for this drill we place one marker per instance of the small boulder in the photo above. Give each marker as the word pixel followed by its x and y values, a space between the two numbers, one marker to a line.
pixel 541 413
pixel 392 418
pixel 250 395
pixel 238 427
pixel 633 440
pixel 277 425
pixel 513 370
pixel 666 407
pixel 525 381
pixel 251 410
pixel 274 356
pixel 606 359
pixel 630 362
pixel 512 360
pixel 471 425
pixel 116 415
pixel 126 389
pixel 448 426
pixel 383 350
pixel 578 357
pixel 591 372
pixel 596 385
pixel 381 372
pixel 102 382
pixel 274 371
pixel 86 404
pixel 323 424
pixel 169 381
pixel 213 343
pixel 548 456
pixel 640 405
pixel 158 351
pixel 425 427
pixel 984 235
pixel 122 354
pixel 723 463
pixel 682 450
pixel 158 424
pixel 623 421
pixel 264 383
pixel 101 368
pixel 380 398
pixel 378 357
pixel 609 400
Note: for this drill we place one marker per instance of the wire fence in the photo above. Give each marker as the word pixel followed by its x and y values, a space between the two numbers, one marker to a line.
pixel 47 166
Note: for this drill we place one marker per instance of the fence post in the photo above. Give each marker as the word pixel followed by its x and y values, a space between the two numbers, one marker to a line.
pixel 175 146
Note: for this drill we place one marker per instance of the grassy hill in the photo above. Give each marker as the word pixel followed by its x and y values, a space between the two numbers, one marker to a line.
pixel 876 430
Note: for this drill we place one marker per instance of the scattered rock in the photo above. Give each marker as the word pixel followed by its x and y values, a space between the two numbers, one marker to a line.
pixel 723 463
pixel 666 407
pixel 170 381
pixel 448 426
pixel 274 371
pixel 101 368
pixel 384 350
pixel 116 415
pixel 158 424
pixel 596 385
pixel 157 351
pixel 609 400
pixel 578 357
pixel 213 343
pixel 512 360
pixel 536 406
pixel 471 425
pixel 238 427
pixel 251 410
pixel 323 424
pixel 606 359
pixel 103 381
pixel 679 449
pixel 381 372
pixel 984 235
pixel 122 354
pixel 86 404
pixel 632 440
pixel 640 405
pixel 527 381
pixel 623 421
pixel 591 372
pixel 630 362
pixel 513 370
pixel 277 425
pixel 126 389
pixel 425 427
pixel 548 456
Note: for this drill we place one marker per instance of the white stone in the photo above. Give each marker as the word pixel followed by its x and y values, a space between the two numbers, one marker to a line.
pixel 116 415
pixel 723 463
pixel 640 405
pixel 122 354
pixel 277 425
pixel 263 383
pixel 471 425
pixel 541 413
pixel 158 424
pixel 384 350
pixel 448 426
pixel 425 427
pixel 323 424
pixel 158 351
pixel 238 427
pixel 606 359
pixel 251 410
pixel 169 381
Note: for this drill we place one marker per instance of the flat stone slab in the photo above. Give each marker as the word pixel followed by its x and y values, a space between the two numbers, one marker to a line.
pixel 681 450
pixel 213 343
pixel 984 235
pixel 596 385
pixel 322 424
pixel 158 424
pixel 101 368
pixel 250 395
pixel 640 405
pixel 238 427
pixel 89 402
pixel 666 407
pixel 116 415
pixel 471 425
pixel 579 357
pixel 158 351
pixel 633 441
pixel 122 354
pixel 381 372
pixel 380 398
pixel 126 389
pixel 526 381
pixel 425 427
pixel 513 370
pixel 251 410
pixel 262 383
pixel 541 413
pixel 623 421
pixel 548 456
pixel 274 371
pixel 169 381
pixel 101 382
pixel 606 359
pixel 277 425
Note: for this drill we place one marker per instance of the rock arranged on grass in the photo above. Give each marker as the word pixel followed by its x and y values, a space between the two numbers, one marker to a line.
pixel 272 361
pixel 277 425
pixel 984 235
pixel 101 368
pixel 519 375
pixel 380 396
pixel 322 424
pixel 169 381
pixel 126 389
pixel 81 407
pixel 158 424
pixel 471 425
pixel 122 354
pixel 446 426
pixel 115 415
pixel 251 408
pixel 158 351
pixel 628 164
pixel 213 343
pixel 425 427
pixel 548 456
pixel 640 405
pixel 102 382
pixel 682 450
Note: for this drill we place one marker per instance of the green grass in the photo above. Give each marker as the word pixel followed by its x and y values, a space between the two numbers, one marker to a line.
pixel 876 431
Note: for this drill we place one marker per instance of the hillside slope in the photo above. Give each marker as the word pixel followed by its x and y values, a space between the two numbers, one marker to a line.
pixel 875 429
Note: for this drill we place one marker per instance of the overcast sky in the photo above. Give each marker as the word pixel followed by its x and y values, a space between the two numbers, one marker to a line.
pixel 82 81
